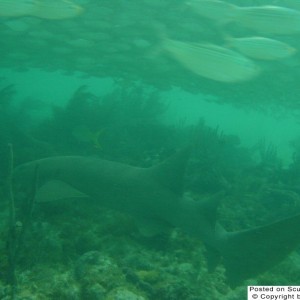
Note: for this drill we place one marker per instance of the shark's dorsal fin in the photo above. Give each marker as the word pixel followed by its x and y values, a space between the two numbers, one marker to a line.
pixel 209 207
pixel 170 173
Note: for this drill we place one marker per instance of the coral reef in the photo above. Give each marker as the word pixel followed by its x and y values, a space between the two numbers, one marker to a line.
pixel 75 249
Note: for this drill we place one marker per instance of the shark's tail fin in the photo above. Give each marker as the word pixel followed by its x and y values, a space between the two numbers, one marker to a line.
pixel 251 252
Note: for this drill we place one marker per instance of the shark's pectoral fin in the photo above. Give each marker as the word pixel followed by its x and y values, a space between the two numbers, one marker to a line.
pixel 251 252
pixel 150 227
pixel 56 190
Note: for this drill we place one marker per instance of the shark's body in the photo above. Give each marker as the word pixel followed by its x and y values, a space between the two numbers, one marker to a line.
pixel 154 197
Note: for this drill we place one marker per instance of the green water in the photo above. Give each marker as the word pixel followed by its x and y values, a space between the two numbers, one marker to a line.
pixel 101 84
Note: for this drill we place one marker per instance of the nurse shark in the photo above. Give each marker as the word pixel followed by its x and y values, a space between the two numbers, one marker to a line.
pixel 154 198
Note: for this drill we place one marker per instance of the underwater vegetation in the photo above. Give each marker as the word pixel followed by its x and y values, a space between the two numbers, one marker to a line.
pixel 75 249
pixel 125 124
pixel 16 123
